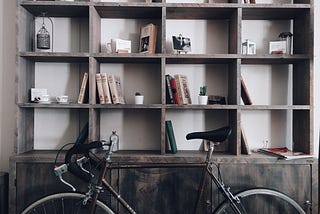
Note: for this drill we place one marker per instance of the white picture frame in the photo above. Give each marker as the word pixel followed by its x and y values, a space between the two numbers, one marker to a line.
pixel 278 47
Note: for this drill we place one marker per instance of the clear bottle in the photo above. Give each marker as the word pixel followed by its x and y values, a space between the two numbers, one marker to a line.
pixel 114 138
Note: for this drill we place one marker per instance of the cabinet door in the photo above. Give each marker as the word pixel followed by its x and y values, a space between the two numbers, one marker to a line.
pixel 36 180
pixel 169 190
pixel 163 190
pixel 291 179
pixel 147 190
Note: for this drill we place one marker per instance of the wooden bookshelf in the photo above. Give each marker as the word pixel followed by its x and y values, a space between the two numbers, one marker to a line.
pixel 88 16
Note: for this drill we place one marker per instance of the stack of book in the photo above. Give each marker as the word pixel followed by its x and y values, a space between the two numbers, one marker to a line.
pixel 177 90
pixel 109 89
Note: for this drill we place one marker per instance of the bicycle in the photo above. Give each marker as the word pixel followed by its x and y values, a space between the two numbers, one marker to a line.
pixel 72 202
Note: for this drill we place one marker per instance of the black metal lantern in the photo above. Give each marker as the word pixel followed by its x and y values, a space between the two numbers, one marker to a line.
pixel 43 35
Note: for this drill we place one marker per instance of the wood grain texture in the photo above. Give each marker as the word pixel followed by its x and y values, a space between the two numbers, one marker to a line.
pixel 171 190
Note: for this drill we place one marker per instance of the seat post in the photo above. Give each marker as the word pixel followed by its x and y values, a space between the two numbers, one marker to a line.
pixel 210 151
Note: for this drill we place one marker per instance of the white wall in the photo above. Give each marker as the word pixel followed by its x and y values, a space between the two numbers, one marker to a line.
pixel 7 84
pixel 7 76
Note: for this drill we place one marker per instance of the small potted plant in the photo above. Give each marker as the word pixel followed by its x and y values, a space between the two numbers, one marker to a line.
pixel 138 98
pixel 203 98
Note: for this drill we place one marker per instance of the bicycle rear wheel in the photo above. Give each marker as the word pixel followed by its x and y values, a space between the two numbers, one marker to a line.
pixel 262 201
pixel 68 203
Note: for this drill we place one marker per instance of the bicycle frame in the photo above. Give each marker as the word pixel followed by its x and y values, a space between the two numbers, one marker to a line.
pixel 207 169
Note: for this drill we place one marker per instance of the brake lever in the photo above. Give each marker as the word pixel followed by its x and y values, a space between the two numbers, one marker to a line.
pixel 59 171
pixel 80 163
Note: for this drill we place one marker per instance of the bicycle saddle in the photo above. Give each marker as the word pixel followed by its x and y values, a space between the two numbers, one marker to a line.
pixel 217 135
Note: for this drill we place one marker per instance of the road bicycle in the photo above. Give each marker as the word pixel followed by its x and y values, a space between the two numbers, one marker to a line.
pixel 255 200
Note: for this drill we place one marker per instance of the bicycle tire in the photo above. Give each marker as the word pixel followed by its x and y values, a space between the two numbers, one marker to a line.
pixel 68 203
pixel 262 200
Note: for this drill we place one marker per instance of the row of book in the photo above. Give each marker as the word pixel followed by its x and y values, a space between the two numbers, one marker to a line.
pixel 177 89
pixel 108 88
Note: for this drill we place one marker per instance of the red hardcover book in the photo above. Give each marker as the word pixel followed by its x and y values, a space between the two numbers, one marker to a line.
pixel 174 91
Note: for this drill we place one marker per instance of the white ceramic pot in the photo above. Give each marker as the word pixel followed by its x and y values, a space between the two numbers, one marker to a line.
pixel 203 100
pixel 138 99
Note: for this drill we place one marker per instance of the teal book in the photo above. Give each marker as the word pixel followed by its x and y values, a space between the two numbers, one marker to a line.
pixel 170 134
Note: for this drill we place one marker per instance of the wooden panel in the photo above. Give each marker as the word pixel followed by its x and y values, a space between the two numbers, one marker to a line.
pixel 55 57
pixel 302 139
pixel 200 11
pixel 132 10
pixel 171 190
pixel 57 9
pixel 36 180
pixel 161 190
pixel 269 11
pixel 235 32
pixel 94 31
pixel 301 83
pixel 290 179
pixel 25 30
pixel 302 31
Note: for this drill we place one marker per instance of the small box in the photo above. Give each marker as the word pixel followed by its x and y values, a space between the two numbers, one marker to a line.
pixel 278 47
pixel 37 93
pixel 121 46
pixel 248 47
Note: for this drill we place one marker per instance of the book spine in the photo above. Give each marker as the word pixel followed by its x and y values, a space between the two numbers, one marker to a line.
pixel 179 89
pixel 105 87
pixel 171 137
pixel 245 93
pixel 153 39
pixel 244 144
pixel 113 89
pixel 185 89
pixel 169 95
pixel 174 91
pixel 119 90
pixel 83 88
pixel 100 89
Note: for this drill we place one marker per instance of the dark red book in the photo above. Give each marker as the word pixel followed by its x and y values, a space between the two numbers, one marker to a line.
pixel 174 91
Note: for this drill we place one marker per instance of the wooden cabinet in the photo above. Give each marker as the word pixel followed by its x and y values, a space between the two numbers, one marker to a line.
pixel 81 31
pixel 174 190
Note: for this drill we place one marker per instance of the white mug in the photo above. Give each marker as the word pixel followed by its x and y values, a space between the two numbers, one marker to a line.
pixel 45 98
pixel 62 99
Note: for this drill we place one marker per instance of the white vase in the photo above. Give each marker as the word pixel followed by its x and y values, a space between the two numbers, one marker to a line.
pixel 203 100
pixel 138 99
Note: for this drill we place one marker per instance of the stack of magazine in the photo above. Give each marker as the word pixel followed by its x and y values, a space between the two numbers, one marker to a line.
pixel 283 153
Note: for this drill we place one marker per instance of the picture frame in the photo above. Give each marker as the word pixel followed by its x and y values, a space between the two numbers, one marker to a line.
pixel 181 44
pixel 278 47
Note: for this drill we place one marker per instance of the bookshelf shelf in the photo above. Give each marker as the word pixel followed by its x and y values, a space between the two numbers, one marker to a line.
pixel 57 9
pixel 55 57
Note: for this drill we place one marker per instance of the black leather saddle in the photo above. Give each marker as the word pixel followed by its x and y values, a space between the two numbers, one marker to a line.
pixel 217 135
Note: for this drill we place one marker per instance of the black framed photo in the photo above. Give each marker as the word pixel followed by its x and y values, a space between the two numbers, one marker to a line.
pixel 181 44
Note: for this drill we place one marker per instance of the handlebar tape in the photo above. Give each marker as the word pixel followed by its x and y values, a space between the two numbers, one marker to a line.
pixel 80 149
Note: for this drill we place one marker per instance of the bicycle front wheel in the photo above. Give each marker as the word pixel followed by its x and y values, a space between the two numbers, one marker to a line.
pixel 68 203
pixel 262 201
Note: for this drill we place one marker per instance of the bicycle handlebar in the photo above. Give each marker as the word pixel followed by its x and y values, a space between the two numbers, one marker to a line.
pixel 73 167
